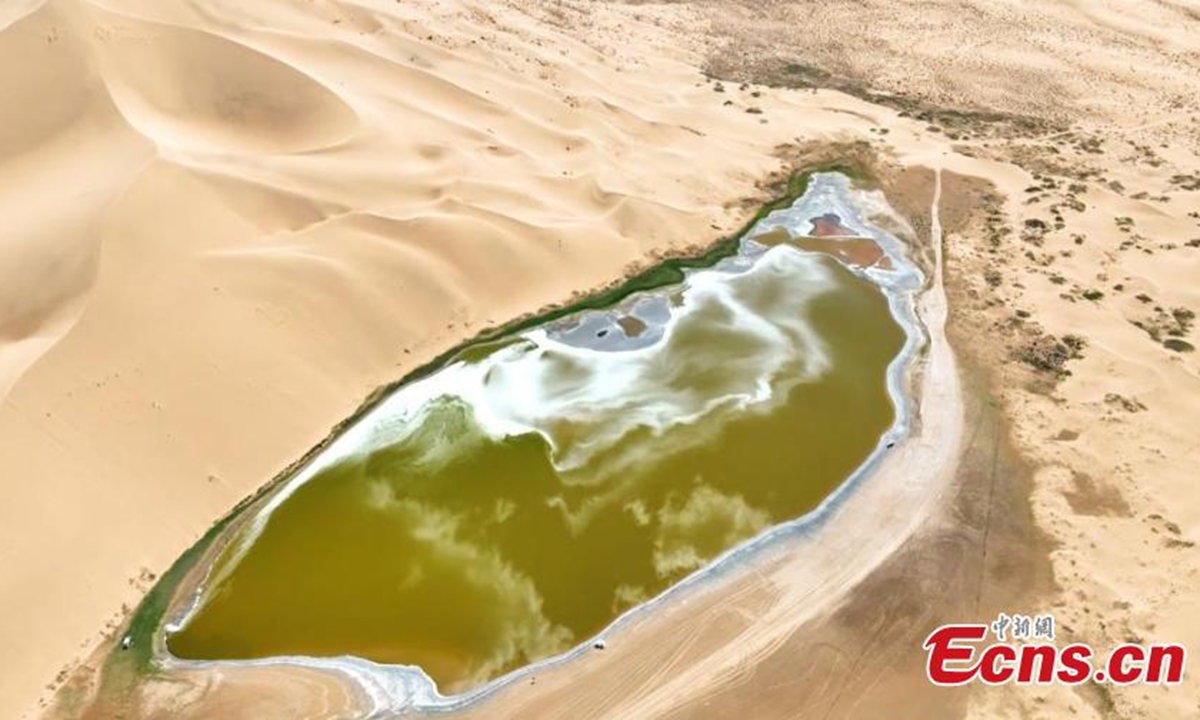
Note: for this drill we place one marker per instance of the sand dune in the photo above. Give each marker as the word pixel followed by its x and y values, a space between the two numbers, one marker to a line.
pixel 63 159
pixel 199 91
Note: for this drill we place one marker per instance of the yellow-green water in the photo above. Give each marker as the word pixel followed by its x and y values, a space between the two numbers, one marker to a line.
pixel 469 551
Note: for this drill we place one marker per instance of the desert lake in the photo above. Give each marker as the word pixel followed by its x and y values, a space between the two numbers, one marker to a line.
pixel 517 501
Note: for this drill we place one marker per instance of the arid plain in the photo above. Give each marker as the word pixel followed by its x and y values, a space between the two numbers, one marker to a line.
pixel 226 224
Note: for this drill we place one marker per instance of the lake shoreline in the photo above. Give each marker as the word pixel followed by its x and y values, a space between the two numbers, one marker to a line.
pixel 143 625
pixel 380 685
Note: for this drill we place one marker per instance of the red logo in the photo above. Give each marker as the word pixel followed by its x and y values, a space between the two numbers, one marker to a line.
pixel 957 656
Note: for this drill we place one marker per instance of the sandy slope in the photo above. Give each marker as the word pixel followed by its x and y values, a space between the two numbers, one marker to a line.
pixel 229 221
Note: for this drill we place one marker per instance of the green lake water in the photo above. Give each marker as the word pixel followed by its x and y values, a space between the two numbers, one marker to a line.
pixel 523 498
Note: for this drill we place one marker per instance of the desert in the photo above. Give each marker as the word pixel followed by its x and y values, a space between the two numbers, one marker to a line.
pixel 230 230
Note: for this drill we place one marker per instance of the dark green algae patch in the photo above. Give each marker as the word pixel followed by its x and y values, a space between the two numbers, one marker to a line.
pixel 148 619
